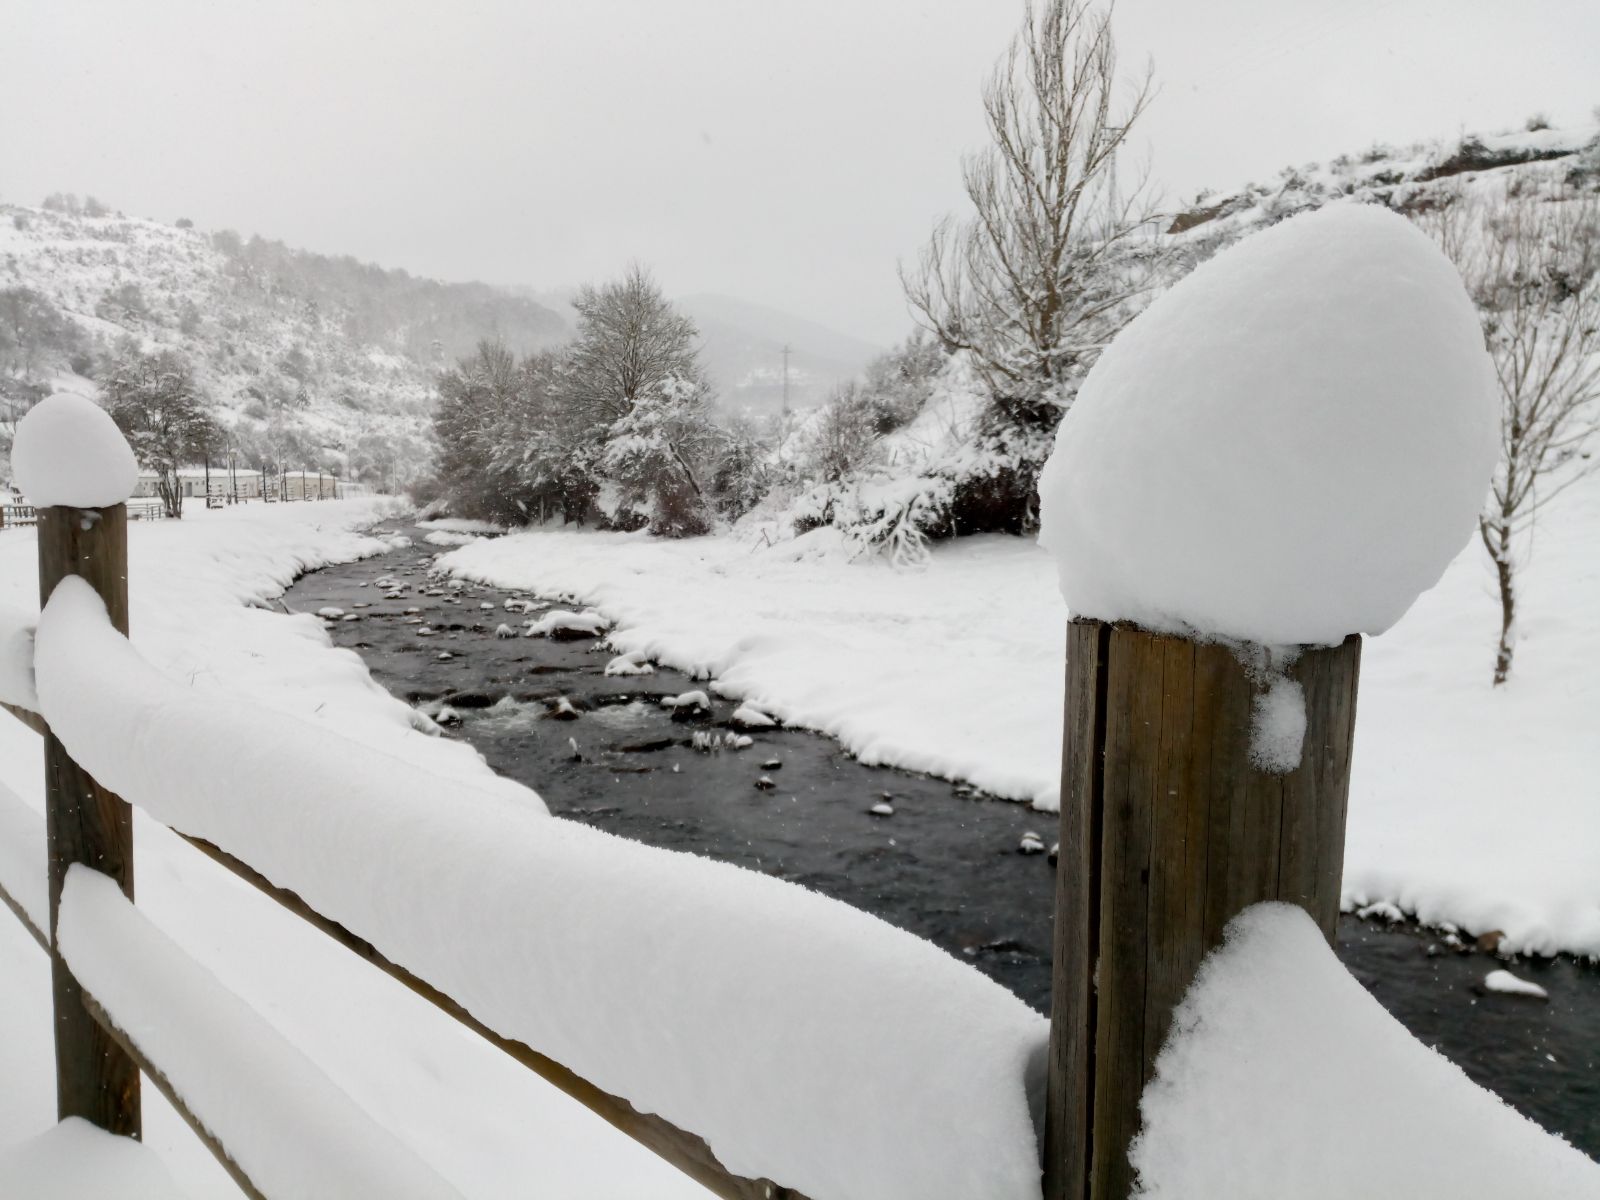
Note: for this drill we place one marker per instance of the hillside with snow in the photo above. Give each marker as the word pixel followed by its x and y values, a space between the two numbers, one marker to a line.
pixel 915 480
pixel 1409 179
pixel 325 361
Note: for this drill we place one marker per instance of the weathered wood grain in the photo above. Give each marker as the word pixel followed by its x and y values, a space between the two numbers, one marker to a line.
pixel 84 824
pixel 1168 831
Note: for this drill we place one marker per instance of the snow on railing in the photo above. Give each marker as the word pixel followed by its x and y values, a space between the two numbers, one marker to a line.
pixel 685 985
pixel 765 1039
pixel 287 1129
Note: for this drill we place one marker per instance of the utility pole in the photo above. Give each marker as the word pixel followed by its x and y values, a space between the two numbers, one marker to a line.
pixel 786 380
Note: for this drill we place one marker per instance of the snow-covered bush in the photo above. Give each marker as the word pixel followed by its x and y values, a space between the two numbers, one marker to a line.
pixel 843 439
pixel 657 452
pixel 744 472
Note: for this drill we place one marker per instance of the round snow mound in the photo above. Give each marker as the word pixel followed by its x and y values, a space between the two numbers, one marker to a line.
pixel 1289 446
pixel 68 451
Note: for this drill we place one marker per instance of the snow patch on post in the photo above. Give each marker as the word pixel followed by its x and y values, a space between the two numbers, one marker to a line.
pixel 1278 726
pixel 1287 447
pixel 69 452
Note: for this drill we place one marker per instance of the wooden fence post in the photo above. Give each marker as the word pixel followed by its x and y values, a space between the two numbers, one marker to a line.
pixel 1168 831
pixel 95 1078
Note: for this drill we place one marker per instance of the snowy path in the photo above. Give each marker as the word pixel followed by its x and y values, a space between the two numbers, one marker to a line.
pixel 1467 805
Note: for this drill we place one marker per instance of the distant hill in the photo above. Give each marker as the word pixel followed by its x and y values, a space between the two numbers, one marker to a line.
pixel 331 356
pixel 742 346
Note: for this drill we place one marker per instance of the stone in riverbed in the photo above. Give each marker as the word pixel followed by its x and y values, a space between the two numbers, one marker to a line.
pixel 1031 843
pixel 1505 983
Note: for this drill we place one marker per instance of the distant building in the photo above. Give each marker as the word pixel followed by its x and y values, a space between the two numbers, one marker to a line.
pixel 241 484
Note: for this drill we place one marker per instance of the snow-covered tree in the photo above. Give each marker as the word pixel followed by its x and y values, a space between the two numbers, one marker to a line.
pixel 657 451
pixel 744 472
pixel 630 340
pixel 1039 277
pixel 843 438
pixel 166 418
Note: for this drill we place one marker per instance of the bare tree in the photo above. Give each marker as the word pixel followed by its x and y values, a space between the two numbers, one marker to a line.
pixel 165 416
pixel 842 439
pixel 1034 282
pixel 1532 264
pixel 630 340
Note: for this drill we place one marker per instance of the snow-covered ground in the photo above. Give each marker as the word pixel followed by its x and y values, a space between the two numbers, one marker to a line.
pixel 1468 804
pixel 483 1122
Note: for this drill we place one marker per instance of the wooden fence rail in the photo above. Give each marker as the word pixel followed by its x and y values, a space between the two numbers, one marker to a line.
pixel 1169 828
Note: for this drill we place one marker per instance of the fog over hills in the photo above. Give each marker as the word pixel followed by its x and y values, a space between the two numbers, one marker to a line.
pixel 742 346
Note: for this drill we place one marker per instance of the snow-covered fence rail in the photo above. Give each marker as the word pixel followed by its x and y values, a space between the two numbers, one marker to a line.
pixel 766 1040
pixel 18 514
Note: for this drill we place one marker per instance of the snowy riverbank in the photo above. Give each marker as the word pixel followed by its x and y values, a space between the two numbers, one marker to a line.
pixel 1468 804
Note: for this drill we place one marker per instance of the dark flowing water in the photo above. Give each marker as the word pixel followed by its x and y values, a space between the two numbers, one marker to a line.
pixel 946 863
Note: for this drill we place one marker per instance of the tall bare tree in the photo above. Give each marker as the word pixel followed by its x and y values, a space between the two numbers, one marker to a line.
pixel 1532 265
pixel 1034 282
pixel 630 340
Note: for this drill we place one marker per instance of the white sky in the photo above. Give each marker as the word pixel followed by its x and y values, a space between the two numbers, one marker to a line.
pixel 785 151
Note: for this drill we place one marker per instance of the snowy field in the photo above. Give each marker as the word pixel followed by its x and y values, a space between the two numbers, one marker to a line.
pixel 1468 804
pixel 483 1122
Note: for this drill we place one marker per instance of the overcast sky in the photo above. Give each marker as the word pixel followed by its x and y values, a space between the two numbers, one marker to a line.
pixel 784 151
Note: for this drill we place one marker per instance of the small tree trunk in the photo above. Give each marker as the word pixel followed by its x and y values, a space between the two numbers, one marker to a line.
pixel 1508 606
pixel 1496 537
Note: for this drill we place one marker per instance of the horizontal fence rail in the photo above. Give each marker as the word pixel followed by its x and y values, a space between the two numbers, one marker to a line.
pixel 98 1075
pixel 686 1151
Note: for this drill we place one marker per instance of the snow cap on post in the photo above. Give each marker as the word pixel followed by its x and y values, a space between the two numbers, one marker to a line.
pixel 68 451
pixel 1289 446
